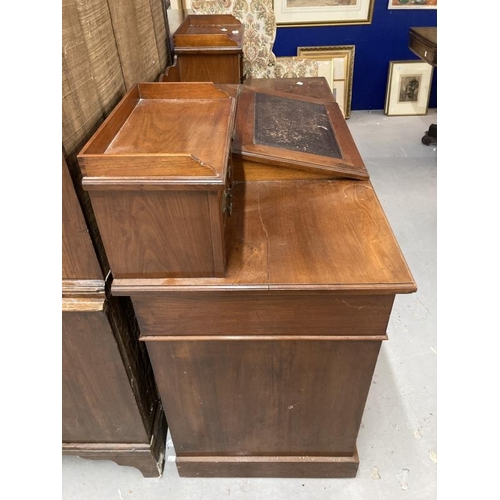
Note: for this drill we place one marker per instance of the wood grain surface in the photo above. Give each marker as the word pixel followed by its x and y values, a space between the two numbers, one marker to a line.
pixel 141 128
pixel 79 258
pixel 302 235
pixel 262 397
pixel 209 31
pixel 94 411
pixel 268 466
pixel 316 87
pixel 160 233
pixel 200 65
pixel 234 313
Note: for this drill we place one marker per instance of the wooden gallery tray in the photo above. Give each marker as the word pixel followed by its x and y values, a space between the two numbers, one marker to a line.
pixel 209 31
pixel 158 176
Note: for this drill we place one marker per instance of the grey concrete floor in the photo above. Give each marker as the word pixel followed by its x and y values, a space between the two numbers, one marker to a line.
pixel 397 442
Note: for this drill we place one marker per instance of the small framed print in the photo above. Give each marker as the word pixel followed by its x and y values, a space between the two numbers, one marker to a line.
pixel 408 88
pixel 413 4
pixel 336 64
pixel 322 12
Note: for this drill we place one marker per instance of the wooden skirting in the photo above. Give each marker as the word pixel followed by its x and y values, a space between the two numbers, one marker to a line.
pixel 310 467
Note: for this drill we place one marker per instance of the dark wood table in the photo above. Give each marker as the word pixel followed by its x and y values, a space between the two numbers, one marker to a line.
pixel 423 43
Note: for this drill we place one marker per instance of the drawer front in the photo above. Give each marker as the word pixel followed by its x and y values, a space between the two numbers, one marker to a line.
pixel 428 54
pixel 257 314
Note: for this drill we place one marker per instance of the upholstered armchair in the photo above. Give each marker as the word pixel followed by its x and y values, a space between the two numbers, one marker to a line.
pixel 259 20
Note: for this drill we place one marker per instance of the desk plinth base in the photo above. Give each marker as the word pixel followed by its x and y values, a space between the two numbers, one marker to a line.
pixel 258 466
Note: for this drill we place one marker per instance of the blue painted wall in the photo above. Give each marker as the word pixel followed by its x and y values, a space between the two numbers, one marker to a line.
pixel 386 39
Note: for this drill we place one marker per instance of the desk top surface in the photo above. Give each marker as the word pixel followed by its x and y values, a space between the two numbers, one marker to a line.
pixel 302 235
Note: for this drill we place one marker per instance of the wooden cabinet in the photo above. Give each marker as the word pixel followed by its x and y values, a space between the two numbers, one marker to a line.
pixel 110 408
pixel 209 48
pixel 110 404
pixel 265 371
pixel 423 43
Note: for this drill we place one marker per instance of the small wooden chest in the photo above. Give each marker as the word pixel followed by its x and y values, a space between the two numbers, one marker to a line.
pixel 209 48
pixel 158 174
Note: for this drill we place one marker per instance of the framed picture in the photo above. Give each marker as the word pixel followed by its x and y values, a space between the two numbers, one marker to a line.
pixel 336 64
pixel 408 88
pixel 413 4
pixel 322 12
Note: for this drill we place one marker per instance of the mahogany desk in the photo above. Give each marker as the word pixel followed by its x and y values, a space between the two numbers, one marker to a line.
pixel 264 371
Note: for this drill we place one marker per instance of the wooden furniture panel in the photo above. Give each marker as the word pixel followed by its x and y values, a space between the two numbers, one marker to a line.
pixel 234 313
pixel 262 399
pixel 90 357
pixel 110 405
pixel 146 234
pixel 317 87
pixel 293 467
pixel 205 67
pixel 79 260
pixel 217 30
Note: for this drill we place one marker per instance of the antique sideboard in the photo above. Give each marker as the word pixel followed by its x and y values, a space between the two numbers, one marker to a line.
pixel 263 359
pixel 423 43
pixel 110 404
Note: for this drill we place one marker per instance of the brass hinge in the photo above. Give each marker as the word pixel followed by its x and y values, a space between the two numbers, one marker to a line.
pixel 227 202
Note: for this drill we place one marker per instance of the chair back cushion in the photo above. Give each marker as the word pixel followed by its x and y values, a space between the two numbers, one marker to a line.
pixel 260 33
pixel 212 6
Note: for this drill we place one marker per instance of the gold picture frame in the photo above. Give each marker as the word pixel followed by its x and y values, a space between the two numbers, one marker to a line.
pixel 322 12
pixel 408 88
pixel 336 64
pixel 412 4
